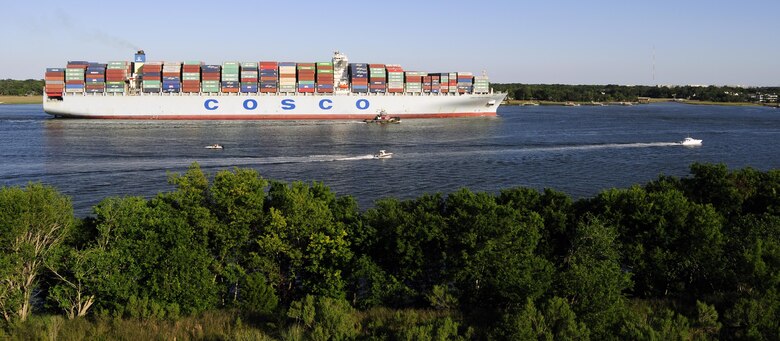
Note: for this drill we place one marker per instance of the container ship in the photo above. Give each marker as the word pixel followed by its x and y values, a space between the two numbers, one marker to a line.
pixel 192 90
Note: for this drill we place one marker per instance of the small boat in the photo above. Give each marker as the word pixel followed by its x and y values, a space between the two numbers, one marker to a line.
pixel 383 155
pixel 214 146
pixel 383 118
pixel 690 141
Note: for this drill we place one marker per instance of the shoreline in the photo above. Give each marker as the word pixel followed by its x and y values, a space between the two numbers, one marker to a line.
pixel 20 100
pixel 628 103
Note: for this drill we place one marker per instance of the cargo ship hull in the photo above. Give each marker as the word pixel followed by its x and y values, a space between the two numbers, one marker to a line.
pixel 275 106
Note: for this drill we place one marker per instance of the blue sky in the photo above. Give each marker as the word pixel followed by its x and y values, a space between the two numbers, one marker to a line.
pixel 556 41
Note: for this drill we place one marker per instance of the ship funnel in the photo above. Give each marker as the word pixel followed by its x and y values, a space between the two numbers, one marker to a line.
pixel 140 57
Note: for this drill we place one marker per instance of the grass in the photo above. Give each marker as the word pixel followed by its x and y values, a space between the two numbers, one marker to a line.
pixel 20 100
pixel 217 325
pixel 225 324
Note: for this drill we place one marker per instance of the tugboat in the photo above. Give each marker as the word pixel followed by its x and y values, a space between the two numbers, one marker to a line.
pixel 384 118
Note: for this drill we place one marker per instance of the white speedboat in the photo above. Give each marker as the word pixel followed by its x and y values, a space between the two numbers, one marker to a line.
pixel 214 146
pixel 383 155
pixel 690 141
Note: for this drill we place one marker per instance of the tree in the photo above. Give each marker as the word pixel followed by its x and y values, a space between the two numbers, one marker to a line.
pixel 150 255
pixel 33 223
pixel 325 318
pixel 75 273
pixel 591 278
pixel 495 266
pixel 555 321
pixel 671 245
pixel 302 247
pixel 409 242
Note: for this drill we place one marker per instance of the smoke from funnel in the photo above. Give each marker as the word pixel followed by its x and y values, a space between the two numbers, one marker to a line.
pixel 94 34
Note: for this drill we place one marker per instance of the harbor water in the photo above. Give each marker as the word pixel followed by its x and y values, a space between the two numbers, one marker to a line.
pixel 577 150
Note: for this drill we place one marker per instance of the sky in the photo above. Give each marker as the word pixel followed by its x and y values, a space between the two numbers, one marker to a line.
pixel 626 42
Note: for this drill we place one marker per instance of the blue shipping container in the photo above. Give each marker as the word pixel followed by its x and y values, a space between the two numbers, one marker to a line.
pixel 248 88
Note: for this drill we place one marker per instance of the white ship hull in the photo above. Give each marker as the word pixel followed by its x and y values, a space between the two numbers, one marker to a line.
pixel 184 106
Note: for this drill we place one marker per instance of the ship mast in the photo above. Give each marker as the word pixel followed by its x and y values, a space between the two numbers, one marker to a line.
pixel 340 68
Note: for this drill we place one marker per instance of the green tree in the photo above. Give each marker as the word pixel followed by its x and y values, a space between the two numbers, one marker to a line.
pixel 591 278
pixel 555 321
pixel 34 221
pixel 150 252
pixel 671 245
pixel 302 247
pixel 75 272
pixel 325 318
pixel 409 243
pixel 495 266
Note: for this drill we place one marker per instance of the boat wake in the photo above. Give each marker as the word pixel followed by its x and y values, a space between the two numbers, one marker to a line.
pixel 612 146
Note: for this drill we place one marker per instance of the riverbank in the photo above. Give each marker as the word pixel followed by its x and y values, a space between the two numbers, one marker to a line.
pixel 644 101
pixel 20 100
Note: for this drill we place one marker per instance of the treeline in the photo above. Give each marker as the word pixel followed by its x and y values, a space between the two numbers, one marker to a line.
pixel 623 93
pixel 678 258
pixel 12 87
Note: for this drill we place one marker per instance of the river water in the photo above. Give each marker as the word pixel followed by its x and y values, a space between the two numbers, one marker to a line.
pixel 577 150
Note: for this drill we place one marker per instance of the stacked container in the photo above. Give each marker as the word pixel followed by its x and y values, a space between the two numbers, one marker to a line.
pixel 116 75
pixel 151 77
pixel 74 76
pixel 54 82
pixel 426 83
pixel 452 86
pixel 210 78
pixel 414 81
pixel 249 73
pixel 286 77
pixel 481 84
pixel 190 76
pixel 465 82
pixel 269 76
pixel 230 77
pixel 358 77
pixel 95 78
pixel 395 78
pixel 444 82
pixel 306 75
pixel 325 77
pixel 377 78
pixel 171 74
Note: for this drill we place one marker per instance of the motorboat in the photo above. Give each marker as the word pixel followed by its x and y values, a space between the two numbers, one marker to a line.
pixel 383 155
pixel 214 146
pixel 690 141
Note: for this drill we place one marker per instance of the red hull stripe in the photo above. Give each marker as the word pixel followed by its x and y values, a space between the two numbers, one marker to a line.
pixel 279 117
